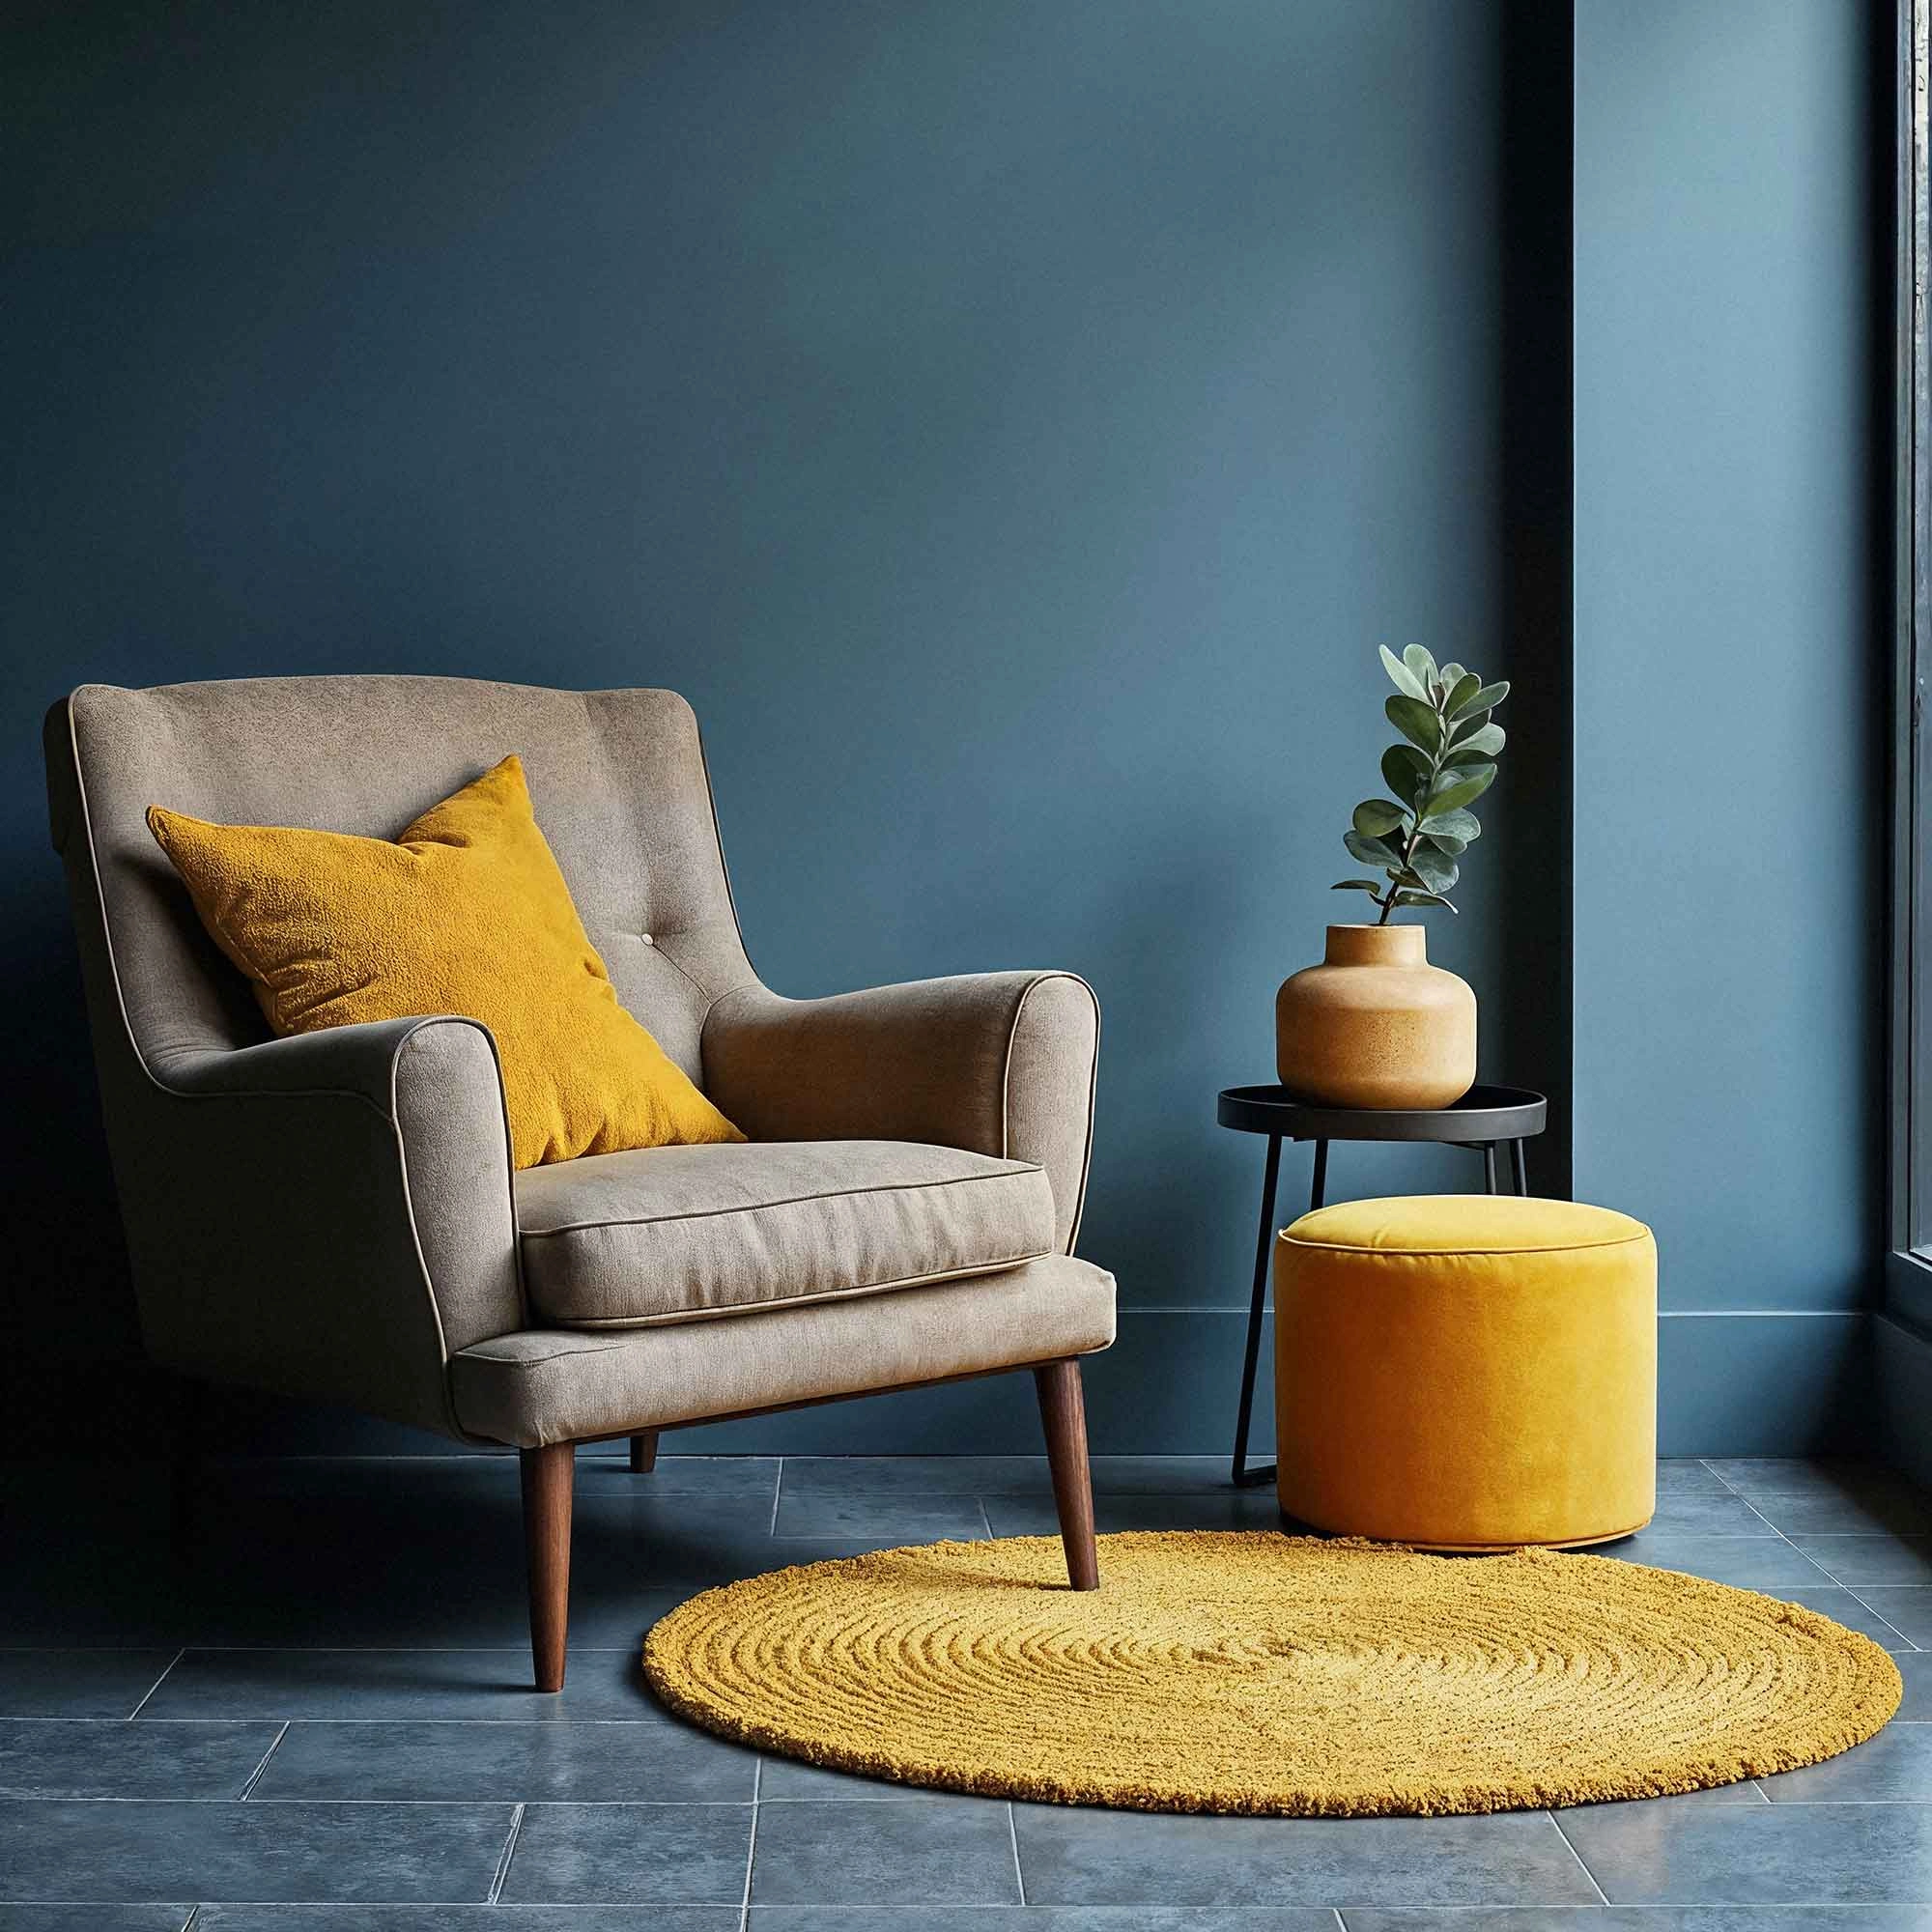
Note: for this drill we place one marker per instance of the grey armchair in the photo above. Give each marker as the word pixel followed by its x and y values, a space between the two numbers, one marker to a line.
pixel 335 1215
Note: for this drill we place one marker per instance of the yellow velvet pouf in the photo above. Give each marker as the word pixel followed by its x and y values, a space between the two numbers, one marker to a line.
pixel 1283 1675
pixel 1466 1372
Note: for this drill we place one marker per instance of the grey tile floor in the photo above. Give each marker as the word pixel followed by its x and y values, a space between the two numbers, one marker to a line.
pixel 314 1718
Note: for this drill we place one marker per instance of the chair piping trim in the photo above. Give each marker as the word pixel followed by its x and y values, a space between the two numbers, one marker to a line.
pixel 1018 1171
pixel 1093 1089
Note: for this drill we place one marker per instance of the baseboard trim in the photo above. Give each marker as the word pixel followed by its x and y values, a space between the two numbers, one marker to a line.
pixel 1764 1382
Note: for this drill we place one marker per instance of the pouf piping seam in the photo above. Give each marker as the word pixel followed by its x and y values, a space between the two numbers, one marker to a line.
pixel 1294 1239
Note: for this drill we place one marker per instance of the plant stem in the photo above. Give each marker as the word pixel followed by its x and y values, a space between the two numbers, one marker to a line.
pixel 1414 832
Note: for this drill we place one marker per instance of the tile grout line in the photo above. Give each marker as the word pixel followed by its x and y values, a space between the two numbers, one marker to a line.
pixel 459 1803
pixel 1831 1575
pixel 165 1725
pixel 1851 1589
pixel 666 1589
pixel 156 1684
pixel 752 1845
pixel 1853 1592
pixel 1013 1839
pixel 504 1856
pixel 274 1744
pixel 1773 1529
pixel 660 1725
pixel 1602 1897
pixel 1704 1463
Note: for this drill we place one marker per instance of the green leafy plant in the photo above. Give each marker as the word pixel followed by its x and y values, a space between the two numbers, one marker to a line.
pixel 1448 763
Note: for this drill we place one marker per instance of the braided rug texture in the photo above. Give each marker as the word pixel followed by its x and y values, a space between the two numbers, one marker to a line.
pixel 1260 1673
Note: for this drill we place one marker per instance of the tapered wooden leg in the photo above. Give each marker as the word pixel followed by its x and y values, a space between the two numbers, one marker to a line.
pixel 1064 1416
pixel 644 1453
pixel 548 1474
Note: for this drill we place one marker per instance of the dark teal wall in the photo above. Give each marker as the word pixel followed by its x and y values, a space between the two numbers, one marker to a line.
pixel 1732 213
pixel 1014 426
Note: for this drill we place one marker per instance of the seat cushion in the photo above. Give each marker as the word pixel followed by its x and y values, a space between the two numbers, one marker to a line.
pixel 684 1233
pixel 552 1385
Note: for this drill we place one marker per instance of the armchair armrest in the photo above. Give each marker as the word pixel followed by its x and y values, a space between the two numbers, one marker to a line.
pixel 327 1214
pixel 997 1063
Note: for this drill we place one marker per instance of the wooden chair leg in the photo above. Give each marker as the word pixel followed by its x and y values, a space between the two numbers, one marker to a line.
pixel 644 1453
pixel 548 1475
pixel 1064 1414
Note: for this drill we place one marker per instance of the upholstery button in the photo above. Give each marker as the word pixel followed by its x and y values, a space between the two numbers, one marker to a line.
pixel 647 939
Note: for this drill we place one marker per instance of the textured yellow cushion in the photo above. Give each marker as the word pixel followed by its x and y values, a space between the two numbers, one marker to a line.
pixel 1465 1372
pixel 465 913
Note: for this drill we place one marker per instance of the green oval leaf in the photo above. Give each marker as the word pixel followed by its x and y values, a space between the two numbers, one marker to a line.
pixel 1459 786
pixel 1448 843
pixel 1423 900
pixel 1436 869
pixel 1454 823
pixel 1375 817
pixel 1405 771
pixel 1421 666
pixel 1356 886
pixel 1417 722
pixel 1371 851
pixel 1404 679
pixel 1488 741
pixel 1465 688
pixel 1485 699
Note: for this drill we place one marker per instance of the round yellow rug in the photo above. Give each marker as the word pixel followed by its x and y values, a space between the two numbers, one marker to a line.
pixel 1266 1673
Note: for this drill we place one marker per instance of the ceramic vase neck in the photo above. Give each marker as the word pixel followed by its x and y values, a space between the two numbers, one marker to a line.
pixel 1377 946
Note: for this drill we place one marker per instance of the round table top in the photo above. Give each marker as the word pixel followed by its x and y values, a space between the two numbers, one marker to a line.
pixel 1482 1114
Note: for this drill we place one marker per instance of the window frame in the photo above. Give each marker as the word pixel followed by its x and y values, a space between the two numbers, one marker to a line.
pixel 1909 1271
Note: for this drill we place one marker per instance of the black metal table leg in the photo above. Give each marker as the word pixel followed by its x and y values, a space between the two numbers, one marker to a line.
pixel 1481 1120
pixel 1263 1255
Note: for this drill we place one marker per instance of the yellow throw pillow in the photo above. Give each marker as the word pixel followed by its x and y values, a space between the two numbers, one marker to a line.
pixel 465 913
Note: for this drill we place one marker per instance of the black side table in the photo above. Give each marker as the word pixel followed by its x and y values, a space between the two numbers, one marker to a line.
pixel 1481 1120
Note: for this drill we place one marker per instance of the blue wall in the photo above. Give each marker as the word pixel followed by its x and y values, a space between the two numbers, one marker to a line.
pixel 1012 425
pixel 1731 218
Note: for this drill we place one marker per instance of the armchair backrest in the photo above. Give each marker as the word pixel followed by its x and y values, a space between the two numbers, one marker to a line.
pixel 281 1241
pixel 616 776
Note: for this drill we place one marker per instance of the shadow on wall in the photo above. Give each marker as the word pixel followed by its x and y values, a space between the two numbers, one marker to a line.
pixel 73 1333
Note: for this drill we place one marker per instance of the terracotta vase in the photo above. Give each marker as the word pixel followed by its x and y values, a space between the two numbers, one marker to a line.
pixel 1375 1025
